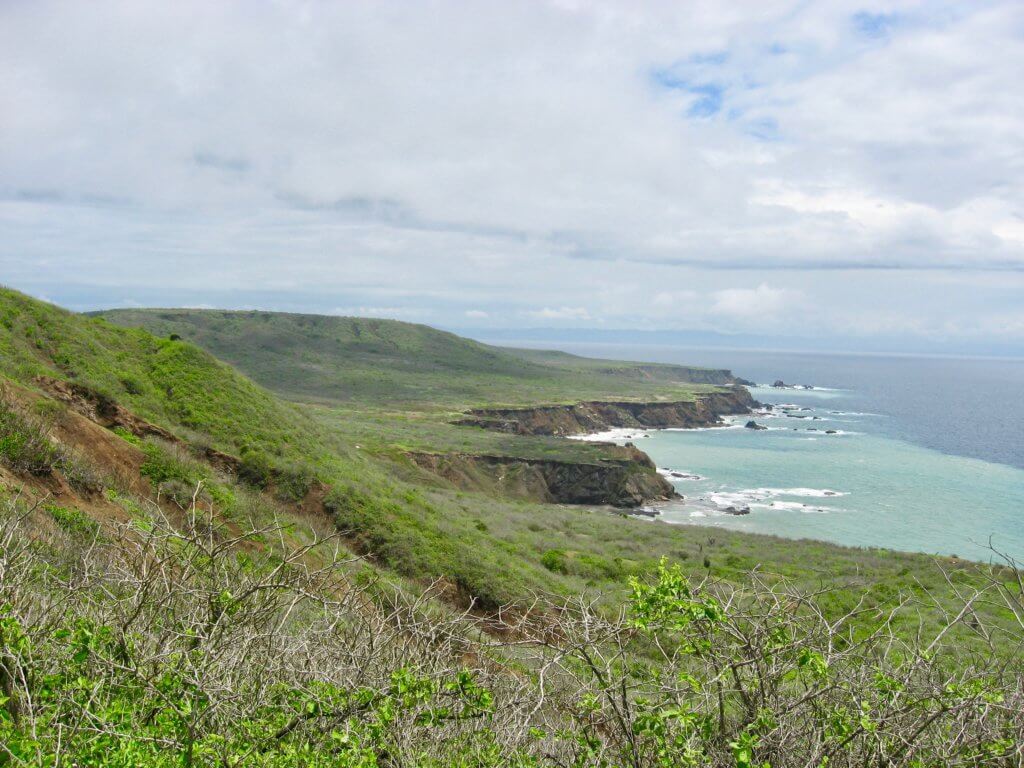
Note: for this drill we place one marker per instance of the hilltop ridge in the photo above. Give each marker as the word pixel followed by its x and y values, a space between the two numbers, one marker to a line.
pixel 348 359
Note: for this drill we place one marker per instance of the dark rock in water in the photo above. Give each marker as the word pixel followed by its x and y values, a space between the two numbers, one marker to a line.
pixel 737 510
pixel 646 512
pixel 769 407
pixel 812 429
pixel 779 384
pixel 830 493
pixel 754 425
pixel 831 432
pixel 816 418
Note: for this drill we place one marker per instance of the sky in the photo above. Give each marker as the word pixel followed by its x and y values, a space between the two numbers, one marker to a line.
pixel 851 172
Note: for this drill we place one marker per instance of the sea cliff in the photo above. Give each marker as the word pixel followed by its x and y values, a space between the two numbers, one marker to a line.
pixel 627 482
pixel 597 416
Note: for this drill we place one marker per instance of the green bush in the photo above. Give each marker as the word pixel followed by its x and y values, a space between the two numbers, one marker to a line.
pixel 132 385
pixel 555 561
pixel 127 435
pixel 255 469
pixel 165 461
pixel 293 481
pixel 73 521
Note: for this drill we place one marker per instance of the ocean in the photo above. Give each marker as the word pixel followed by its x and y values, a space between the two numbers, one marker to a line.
pixel 927 453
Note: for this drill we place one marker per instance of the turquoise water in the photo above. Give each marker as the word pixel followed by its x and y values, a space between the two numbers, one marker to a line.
pixel 929 455
pixel 857 487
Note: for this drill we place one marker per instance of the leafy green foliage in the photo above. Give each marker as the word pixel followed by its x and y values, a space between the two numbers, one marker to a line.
pixel 73 521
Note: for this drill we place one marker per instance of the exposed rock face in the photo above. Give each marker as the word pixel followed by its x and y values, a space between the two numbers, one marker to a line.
pixel 627 482
pixel 588 417
pixel 754 425
pixel 104 411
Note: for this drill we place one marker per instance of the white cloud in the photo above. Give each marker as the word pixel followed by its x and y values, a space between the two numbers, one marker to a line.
pixel 426 160
pixel 476 314
pixel 674 298
pixel 764 301
pixel 381 312
pixel 560 313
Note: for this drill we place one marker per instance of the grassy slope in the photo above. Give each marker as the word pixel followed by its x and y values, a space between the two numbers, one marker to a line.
pixel 365 361
pixel 388 384
pixel 492 548
pixel 171 383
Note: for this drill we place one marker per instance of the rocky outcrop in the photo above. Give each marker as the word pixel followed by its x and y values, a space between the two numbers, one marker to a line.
pixel 627 482
pixel 596 416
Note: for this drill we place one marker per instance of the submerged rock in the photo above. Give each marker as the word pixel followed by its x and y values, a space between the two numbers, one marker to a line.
pixel 737 510
pixel 831 432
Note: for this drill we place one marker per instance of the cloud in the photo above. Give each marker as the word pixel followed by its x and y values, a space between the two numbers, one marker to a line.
pixel 763 301
pixel 476 314
pixel 425 159
pixel 560 313
pixel 381 312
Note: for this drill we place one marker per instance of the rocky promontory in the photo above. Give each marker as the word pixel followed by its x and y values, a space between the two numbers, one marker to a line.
pixel 597 416
pixel 626 482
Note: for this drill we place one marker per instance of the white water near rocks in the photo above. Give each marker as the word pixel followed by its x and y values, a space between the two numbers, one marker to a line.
pixel 834 466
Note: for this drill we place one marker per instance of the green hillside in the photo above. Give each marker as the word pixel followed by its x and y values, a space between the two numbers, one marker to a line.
pixel 367 361
pixel 173 383
pixel 193 614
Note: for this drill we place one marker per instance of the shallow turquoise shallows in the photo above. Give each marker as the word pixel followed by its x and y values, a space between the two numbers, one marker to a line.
pixel 856 487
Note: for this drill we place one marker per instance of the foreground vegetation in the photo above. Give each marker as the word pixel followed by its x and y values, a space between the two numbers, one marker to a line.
pixel 179 643
pixel 304 595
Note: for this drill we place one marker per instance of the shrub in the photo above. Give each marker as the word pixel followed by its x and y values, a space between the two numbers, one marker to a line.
pixel 132 385
pixel 255 469
pixel 293 481
pixel 82 474
pixel 555 561
pixel 49 410
pixel 73 521
pixel 181 493
pixel 166 461
pixel 25 445
pixel 127 435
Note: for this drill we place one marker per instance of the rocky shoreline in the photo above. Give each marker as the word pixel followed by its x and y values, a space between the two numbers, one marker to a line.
pixel 630 481
pixel 598 416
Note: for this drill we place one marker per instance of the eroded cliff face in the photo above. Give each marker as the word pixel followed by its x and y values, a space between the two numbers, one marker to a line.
pixel 626 482
pixel 589 417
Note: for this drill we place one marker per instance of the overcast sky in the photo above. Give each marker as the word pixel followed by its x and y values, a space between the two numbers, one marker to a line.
pixel 835 169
